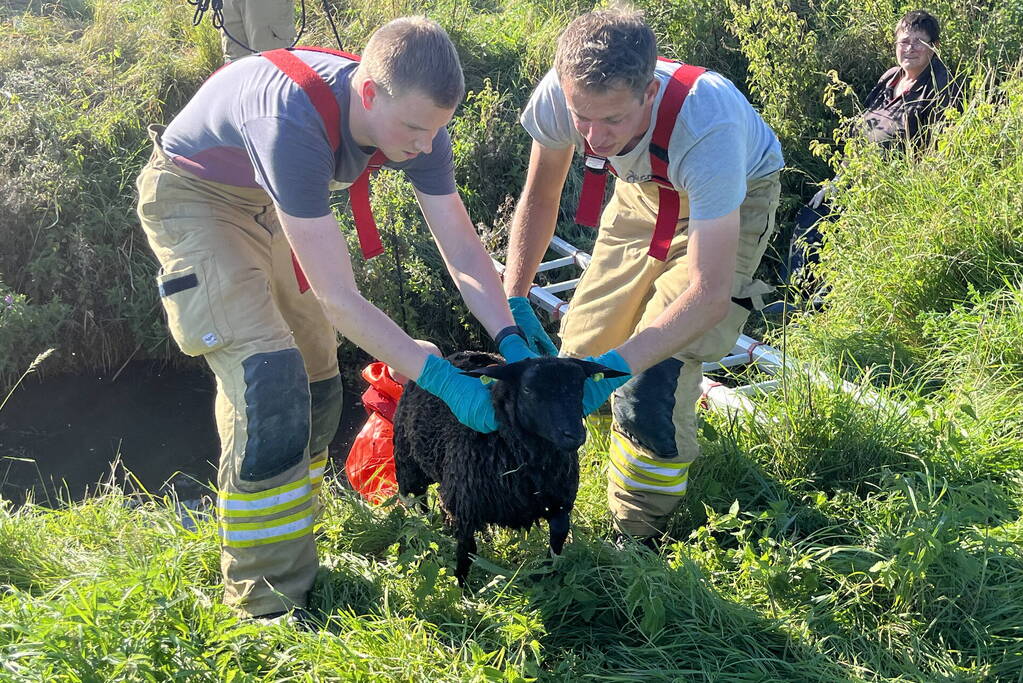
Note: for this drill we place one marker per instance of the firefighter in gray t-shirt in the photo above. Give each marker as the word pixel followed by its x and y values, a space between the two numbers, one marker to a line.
pixel 255 275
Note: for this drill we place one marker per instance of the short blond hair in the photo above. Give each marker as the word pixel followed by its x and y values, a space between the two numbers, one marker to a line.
pixel 607 49
pixel 415 54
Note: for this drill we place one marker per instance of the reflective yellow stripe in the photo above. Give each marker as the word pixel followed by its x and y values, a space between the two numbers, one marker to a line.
pixel 627 466
pixel 635 471
pixel 266 523
pixel 643 460
pixel 284 532
pixel 640 478
pixel 628 484
pixel 247 534
pixel 316 470
pixel 259 495
pixel 316 477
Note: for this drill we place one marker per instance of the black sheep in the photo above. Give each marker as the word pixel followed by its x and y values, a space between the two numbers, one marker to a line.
pixel 525 471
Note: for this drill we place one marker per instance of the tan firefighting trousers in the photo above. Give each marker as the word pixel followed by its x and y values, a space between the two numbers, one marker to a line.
pixel 259 24
pixel 653 433
pixel 228 287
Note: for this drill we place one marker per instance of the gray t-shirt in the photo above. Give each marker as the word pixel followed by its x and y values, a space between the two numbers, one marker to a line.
pixel 250 125
pixel 719 142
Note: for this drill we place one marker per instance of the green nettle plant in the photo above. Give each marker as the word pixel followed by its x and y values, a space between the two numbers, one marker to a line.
pixel 784 74
pixel 24 329
pixel 409 281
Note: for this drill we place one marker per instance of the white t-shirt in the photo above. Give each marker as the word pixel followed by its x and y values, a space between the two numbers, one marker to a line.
pixel 719 142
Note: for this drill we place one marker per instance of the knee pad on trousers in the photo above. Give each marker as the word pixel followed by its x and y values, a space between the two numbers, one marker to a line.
pixel 643 407
pixel 327 399
pixel 277 412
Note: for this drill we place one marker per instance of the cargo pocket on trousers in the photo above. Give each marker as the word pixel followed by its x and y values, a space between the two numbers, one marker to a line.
pixel 191 297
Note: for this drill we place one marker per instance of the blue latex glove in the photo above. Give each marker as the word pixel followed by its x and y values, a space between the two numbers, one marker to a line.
pixel 466 396
pixel 595 392
pixel 536 336
pixel 514 348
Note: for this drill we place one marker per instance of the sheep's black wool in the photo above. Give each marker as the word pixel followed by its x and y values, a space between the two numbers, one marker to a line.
pixel 526 471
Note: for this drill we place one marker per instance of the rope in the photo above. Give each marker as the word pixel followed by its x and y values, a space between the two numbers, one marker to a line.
pixel 752 348
pixel 216 7
pixel 330 19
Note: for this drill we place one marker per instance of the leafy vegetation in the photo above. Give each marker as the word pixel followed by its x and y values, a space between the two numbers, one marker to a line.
pixel 82 79
pixel 823 537
pixel 864 547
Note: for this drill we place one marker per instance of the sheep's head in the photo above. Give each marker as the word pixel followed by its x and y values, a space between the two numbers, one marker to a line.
pixel 544 396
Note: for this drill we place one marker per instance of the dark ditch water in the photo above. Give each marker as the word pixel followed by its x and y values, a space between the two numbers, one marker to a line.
pixel 59 435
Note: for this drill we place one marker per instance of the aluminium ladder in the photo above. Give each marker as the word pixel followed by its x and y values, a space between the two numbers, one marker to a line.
pixel 747 352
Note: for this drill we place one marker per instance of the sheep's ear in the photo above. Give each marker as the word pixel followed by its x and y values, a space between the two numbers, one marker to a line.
pixel 493 373
pixel 598 371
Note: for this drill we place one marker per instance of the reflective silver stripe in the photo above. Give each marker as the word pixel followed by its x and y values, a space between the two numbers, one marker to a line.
pixel 268 532
pixel 629 483
pixel 672 472
pixel 229 504
pixel 317 472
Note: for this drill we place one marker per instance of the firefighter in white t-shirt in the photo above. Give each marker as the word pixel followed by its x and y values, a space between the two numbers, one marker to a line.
pixel 671 281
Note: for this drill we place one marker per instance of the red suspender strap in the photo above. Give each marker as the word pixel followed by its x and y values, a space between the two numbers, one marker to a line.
pixel 329 51
pixel 668 206
pixel 316 88
pixel 358 192
pixel 358 195
pixel 667 115
pixel 323 100
pixel 303 282
pixel 591 198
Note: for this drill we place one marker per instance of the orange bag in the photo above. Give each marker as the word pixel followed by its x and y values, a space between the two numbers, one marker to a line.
pixel 370 463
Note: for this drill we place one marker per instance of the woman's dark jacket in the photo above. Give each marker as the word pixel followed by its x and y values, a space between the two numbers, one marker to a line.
pixel 888 119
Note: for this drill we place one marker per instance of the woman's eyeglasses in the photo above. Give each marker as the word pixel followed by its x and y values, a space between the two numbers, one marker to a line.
pixel 912 44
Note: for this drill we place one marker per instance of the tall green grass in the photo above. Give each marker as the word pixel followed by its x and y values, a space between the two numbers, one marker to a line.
pixel 917 236
pixel 823 538
pixel 790 562
pixel 922 267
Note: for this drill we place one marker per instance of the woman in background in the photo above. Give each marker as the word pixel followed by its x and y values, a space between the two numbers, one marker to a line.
pixel 906 99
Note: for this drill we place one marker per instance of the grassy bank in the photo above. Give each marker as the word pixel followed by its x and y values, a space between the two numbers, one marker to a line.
pixel 828 542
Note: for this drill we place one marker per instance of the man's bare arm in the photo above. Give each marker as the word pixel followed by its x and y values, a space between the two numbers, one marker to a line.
pixel 323 255
pixel 536 216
